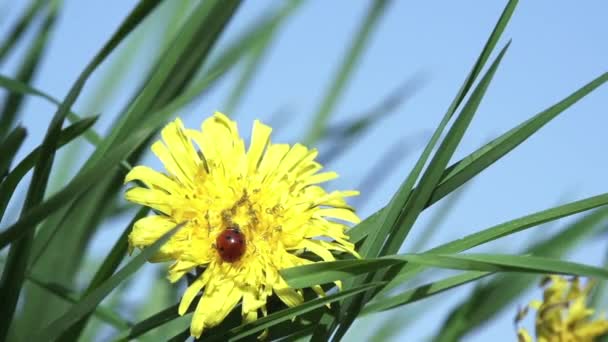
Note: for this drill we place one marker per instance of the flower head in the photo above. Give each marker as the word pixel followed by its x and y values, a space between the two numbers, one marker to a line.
pixel 563 314
pixel 249 213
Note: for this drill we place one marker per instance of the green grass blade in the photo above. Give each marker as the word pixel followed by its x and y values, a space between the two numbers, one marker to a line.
pixel 345 71
pixel 473 164
pixel 28 67
pixel 506 263
pixel 7 188
pixel 423 291
pixel 17 31
pixel 101 312
pixel 9 147
pixel 93 298
pixel 105 271
pixel 501 230
pixel 490 299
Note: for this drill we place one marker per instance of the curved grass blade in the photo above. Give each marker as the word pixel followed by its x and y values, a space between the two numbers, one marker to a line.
pixel 423 291
pixel 105 271
pixel 28 67
pixel 101 312
pixel 343 74
pixel 9 147
pixel 7 188
pixel 91 300
pixel 258 46
pixel 344 135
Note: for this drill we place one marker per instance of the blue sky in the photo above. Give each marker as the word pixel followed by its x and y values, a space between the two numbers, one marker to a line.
pixel 556 48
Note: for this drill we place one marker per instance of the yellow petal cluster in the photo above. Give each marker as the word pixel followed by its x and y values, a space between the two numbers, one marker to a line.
pixel 563 315
pixel 269 191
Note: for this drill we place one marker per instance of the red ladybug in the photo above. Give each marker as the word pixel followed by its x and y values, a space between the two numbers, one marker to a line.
pixel 231 244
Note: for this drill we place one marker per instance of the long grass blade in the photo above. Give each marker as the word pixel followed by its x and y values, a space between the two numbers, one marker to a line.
pixel 28 67
pixel 9 147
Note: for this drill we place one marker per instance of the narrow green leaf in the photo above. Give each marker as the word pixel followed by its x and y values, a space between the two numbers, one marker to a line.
pixel 423 291
pixel 259 46
pixel 345 71
pixel 324 272
pixel 7 188
pixel 9 147
pixel 93 298
pixel 21 25
pixel 507 263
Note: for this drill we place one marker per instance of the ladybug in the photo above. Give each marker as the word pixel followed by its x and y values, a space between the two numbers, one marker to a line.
pixel 231 244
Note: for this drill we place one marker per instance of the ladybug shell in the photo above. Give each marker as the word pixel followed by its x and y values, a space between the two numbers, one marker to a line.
pixel 231 244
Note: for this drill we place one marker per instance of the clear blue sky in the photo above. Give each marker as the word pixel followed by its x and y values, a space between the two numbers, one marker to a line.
pixel 557 47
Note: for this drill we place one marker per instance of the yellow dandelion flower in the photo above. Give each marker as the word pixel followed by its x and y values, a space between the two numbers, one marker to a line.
pixel 563 315
pixel 250 214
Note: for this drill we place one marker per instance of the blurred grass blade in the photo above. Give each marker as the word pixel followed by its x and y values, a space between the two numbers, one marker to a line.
pixel 77 186
pixel 284 315
pixel 473 164
pixel 28 67
pixel 423 291
pixel 17 31
pixel 101 312
pixel 259 46
pixel 345 135
pixel 7 188
pixel 91 300
pixel 345 71
pixel 105 271
pixel 490 299
pixel 9 147
pixel 501 230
